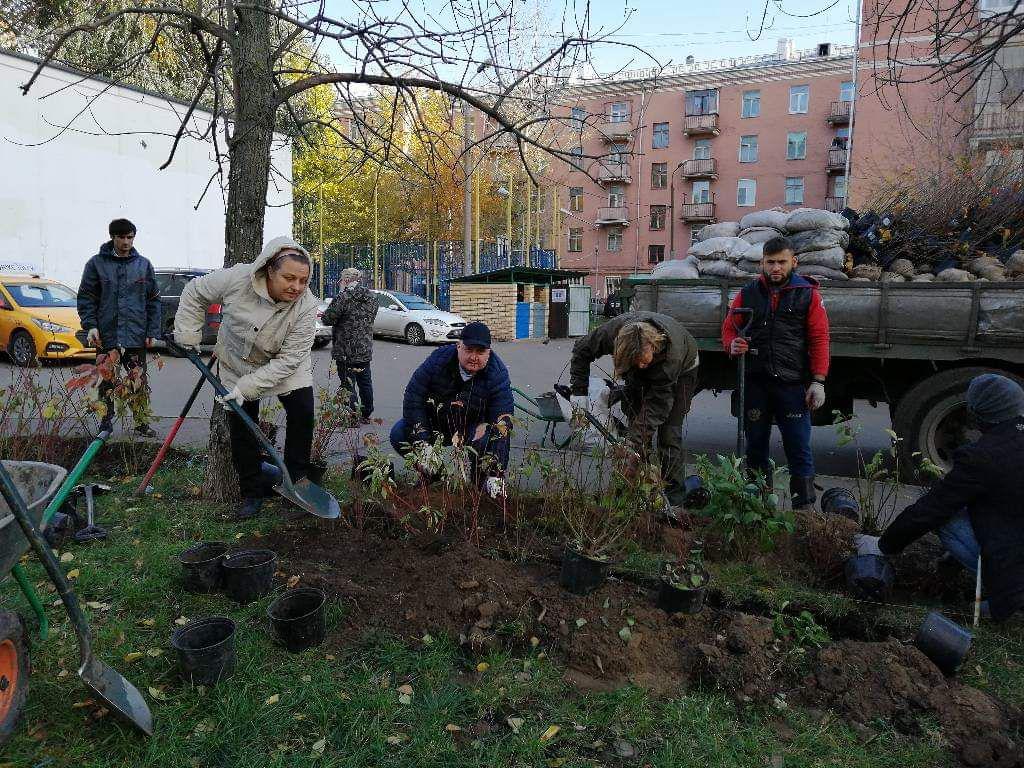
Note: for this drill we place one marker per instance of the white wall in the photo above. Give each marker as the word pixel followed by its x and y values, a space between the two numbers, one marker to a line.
pixel 60 188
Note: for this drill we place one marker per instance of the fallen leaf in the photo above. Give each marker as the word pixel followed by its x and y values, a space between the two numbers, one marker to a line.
pixel 293 581
pixel 299 716
pixel 319 747
pixel 482 667
pixel 556 762
pixel 550 733
pixel 272 699
pixel 427 639
pixel 181 621
pixel 580 623
pixel 204 726
pixel 534 641
pixel 133 656
pixel 239 535
pixel 62 673
pixel 395 740
pixel 306 678
pixel 515 723
pixel 452 728
pixel 94 605
pixel 81 704
pixel 329 657
pixel 405 689
pixel 67 557
pixel 147 622
pixel 100 713
pixel 625 634
pixel 157 694
pixel 74 573
pixel 154 652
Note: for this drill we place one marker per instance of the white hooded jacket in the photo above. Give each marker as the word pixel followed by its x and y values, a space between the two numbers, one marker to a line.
pixel 263 345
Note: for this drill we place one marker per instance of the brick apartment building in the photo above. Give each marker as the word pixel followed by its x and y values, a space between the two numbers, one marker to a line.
pixel 707 141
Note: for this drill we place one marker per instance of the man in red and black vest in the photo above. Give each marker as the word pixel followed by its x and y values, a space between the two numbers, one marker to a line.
pixel 785 375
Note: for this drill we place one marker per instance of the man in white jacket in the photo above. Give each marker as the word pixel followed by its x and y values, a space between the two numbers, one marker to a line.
pixel 263 347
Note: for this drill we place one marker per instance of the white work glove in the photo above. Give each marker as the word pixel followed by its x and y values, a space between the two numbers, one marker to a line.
pixel 581 402
pixel 235 395
pixel 429 461
pixel 92 338
pixel 495 487
pixel 815 395
pixel 867 545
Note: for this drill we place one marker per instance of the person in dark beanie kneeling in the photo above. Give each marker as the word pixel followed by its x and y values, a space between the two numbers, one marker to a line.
pixel 462 393
pixel 978 507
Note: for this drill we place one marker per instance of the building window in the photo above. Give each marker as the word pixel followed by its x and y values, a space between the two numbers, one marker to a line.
pixel 694 234
pixel 619 153
pixel 751 104
pixel 616 196
pixel 618 112
pixel 611 284
pixel 796 145
pixel 702 102
pixel 846 90
pixel 659 175
pixel 614 240
pixel 578 118
pixel 576 199
pixel 655 254
pixel 746 193
pixel 576 158
pixel 701 192
pixel 799 95
pixel 794 190
pixel 658 216
pixel 660 139
pixel 748 149
pixel 844 134
pixel 575 239
pixel 839 187
pixel 702 149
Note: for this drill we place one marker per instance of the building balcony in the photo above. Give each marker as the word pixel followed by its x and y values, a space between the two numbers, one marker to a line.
pixel 839 113
pixel 998 129
pixel 698 212
pixel 621 130
pixel 837 159
pixel 835 204
pixel 612 171
pixel 701 125
pixel 704 168
pixel 612 214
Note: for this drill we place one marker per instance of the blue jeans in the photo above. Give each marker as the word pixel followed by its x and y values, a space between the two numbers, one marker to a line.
pixel 491 443
pixel 356 378
pixel 769 401
pixel 957 537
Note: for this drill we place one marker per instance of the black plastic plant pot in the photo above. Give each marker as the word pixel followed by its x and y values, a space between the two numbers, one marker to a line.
pixel 249 574
pixel 697 495
pixel 206 650
pixel 943 641
pixel 298 620
pixel 581 575
pixel 870 576
pixel 316 471
pixel 840 501
pixel 201 566
pixel 678 598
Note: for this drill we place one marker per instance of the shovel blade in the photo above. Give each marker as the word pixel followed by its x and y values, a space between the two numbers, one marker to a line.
pixel 120 696
pixel 312 498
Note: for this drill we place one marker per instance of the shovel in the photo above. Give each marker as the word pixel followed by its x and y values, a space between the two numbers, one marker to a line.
pixel 303 494
pixel 741 381
pixel 120 696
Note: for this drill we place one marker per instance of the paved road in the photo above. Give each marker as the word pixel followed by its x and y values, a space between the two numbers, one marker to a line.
pixel 534 367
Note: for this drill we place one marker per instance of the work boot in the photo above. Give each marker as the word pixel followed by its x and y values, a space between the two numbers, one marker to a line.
pixel 250 508
pixel 803 494
pixel 144 430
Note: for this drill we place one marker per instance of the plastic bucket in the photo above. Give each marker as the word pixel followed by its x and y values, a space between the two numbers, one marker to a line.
pixel 840 501
pixel 297 617
pixel 869 576
pixel 943 641
pixel 580 574
pixel 206 649
pixel 201 566
pixel 249 574
pixel 675 599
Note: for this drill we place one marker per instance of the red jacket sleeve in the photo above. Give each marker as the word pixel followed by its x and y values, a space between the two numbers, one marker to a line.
pixel 818 336
pixel 729 331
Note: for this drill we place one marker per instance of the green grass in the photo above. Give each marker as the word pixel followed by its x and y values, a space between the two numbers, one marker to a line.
pixel 340 706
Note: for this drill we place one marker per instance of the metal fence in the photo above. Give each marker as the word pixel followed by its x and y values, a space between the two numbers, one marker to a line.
pixel 422 268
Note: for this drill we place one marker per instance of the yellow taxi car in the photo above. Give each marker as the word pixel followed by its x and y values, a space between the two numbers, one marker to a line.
pixel 38 320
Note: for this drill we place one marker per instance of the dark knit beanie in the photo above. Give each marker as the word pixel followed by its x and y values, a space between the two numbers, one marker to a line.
pixel 994 399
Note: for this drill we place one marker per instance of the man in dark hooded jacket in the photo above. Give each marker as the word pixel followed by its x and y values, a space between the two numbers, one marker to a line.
pixel 351 313
pixel 119 307
pixel 977 508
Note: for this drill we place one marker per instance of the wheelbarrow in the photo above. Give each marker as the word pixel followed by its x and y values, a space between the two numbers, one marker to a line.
pixel 26 487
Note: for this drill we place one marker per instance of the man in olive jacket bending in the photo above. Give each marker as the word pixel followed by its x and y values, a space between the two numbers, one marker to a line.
pixel 657 359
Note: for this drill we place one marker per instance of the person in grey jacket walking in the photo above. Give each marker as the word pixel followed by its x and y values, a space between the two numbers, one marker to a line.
pixel 119 306
pixel 351 313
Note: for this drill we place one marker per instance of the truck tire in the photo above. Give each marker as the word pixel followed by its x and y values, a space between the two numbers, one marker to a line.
pixel 14 671
pixel 932 418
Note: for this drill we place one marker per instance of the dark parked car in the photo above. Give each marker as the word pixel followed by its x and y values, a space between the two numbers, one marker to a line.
pixel 171 282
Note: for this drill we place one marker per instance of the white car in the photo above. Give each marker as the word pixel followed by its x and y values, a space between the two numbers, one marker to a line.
pixel 413 318
pixel 324 333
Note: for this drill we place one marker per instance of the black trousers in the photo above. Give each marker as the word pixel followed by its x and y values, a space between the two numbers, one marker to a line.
pixel 298 440
pixel 131 358
pixel 355 377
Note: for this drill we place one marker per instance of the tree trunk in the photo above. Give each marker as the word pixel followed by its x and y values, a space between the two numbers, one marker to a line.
pixel 248 175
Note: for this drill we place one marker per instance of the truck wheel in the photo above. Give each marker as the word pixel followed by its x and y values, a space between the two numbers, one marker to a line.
pixel 22 349
pixel 932 418
pixel 14 671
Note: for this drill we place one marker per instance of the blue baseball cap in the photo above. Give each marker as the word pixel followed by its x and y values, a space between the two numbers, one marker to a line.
pixel 476 334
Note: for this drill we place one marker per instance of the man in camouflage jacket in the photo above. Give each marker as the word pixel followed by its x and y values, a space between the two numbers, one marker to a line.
pixel 351 313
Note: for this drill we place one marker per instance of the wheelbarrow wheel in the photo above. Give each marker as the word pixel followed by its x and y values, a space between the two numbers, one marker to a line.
pixel 14 671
